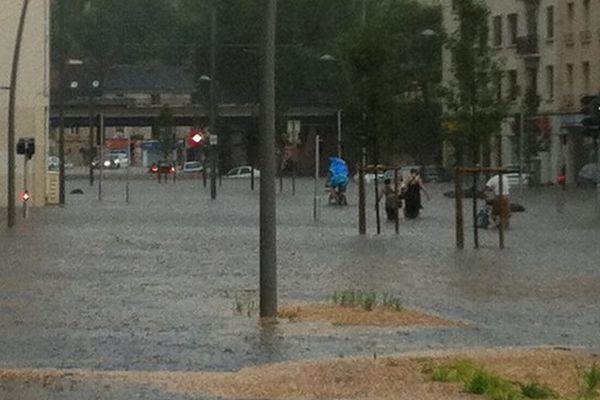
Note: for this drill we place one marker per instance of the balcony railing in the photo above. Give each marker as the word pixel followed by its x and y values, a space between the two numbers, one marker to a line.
pixel 585 36
pixel 528 45
pixel 569 38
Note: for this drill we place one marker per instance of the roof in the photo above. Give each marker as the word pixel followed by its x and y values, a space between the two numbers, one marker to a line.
pixel 161 78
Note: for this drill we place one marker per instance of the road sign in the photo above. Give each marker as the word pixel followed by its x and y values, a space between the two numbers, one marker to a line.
pixel 213 140
pixel 293 131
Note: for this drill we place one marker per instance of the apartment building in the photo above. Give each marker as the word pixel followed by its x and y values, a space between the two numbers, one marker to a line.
pixel 31 94
pixel 528 38
pixel 578 70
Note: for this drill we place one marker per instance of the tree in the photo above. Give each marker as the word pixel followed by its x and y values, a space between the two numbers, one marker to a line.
pixel 393 70
pixel 163 131
pixel 473 110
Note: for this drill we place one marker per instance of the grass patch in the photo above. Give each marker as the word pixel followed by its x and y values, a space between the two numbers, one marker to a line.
pixel 365 300
pixel 534 390
pixel 476 380
pixel 590 382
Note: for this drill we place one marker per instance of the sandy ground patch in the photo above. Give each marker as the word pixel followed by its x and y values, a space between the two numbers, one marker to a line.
pixel 354 378
pixel 355 316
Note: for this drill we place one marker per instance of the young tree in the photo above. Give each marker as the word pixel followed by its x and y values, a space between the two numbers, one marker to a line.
pixel 163 132
pixel 473 110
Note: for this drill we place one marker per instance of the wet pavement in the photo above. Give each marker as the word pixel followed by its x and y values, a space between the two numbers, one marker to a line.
pixel 152 285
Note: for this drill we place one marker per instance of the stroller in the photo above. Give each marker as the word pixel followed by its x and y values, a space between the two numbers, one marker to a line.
pixel 338 181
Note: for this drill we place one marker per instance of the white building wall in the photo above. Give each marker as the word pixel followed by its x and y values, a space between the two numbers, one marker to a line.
pixel 32 99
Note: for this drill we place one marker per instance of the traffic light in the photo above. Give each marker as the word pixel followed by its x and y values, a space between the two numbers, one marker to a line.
pixel 26 146
pixel 25 196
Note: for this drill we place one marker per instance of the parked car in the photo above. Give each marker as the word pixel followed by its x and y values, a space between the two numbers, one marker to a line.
pixel 513 175
pixel 436 173
pixel 54 163
pixel 192 166
pixel 588 176
pixel 110 162
pixel 244 171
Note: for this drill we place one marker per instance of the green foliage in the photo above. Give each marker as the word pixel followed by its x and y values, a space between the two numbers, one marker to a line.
pixel 536 391
pixel 366 300
pixel 590 382
pixel 164 132
pixel 473 110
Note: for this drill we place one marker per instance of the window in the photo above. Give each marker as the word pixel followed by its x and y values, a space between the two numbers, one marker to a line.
pixel 499 88
pixel 512 85
pixel 570 14
pixel 550 22
pixel 532 74
pixel 513 28
pixel 586 13
pixel 585 75
pixel 497 35
pixel 550 82
pixel 155 98
pixel 570 77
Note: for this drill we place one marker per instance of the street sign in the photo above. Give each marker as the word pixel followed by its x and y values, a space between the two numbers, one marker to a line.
pixel 293 131
pixel 213 140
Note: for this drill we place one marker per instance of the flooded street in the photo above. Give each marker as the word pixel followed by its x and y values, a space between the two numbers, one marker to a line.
pixel 154 285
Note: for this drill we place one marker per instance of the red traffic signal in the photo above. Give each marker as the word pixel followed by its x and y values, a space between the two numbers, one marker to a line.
pixel 196 138
pixel 25 196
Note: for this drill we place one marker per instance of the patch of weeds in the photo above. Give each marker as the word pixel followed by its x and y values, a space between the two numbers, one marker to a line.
pixel 245 303
pixel 459 372
pixel 590 382
pixel 365 300
pixel 534 390
pixel 291 315
pixel 475 380
pixel 391 302
pixel 491 386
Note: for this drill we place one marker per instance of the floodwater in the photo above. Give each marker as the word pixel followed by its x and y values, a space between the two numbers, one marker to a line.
pixel 155 284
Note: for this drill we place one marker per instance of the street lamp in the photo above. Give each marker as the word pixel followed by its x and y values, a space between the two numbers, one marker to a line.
pixel 213 138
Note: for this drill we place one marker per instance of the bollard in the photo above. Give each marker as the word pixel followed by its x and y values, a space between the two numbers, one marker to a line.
pixel 362 215
pixel 397 194
pixel 458 196
pixel 377 202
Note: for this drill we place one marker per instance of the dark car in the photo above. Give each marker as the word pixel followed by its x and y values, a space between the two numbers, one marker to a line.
pixel 166 168
pixel 436 173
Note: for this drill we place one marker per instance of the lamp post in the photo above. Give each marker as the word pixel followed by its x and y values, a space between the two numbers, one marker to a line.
pixel 11 117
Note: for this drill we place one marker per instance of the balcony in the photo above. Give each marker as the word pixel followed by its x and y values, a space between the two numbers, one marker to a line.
pixel 527 46
pixel 569 39
pixel 585 37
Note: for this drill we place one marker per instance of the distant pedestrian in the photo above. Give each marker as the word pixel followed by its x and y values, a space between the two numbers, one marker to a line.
pixel 412 194
pixel 392 200
pixel 501 203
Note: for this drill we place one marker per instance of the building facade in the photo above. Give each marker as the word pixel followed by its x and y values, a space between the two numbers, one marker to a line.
pixel 32 94
pixel 548 52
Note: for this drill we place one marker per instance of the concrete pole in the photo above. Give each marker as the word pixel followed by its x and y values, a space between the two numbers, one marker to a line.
pixel 212 94
pixel 25 184
pixel 101 157
pixel 339 133
pixel 61 102
pixel 316 198
pixel 128 167
pixel 92 123
pixel 11 118
pixel 268 208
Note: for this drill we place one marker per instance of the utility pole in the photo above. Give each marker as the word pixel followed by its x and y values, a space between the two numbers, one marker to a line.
pixel 268 229
pixel 213 106
pixel 11 117
pixel 521 149
pixel 61 102
pixel 339 133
